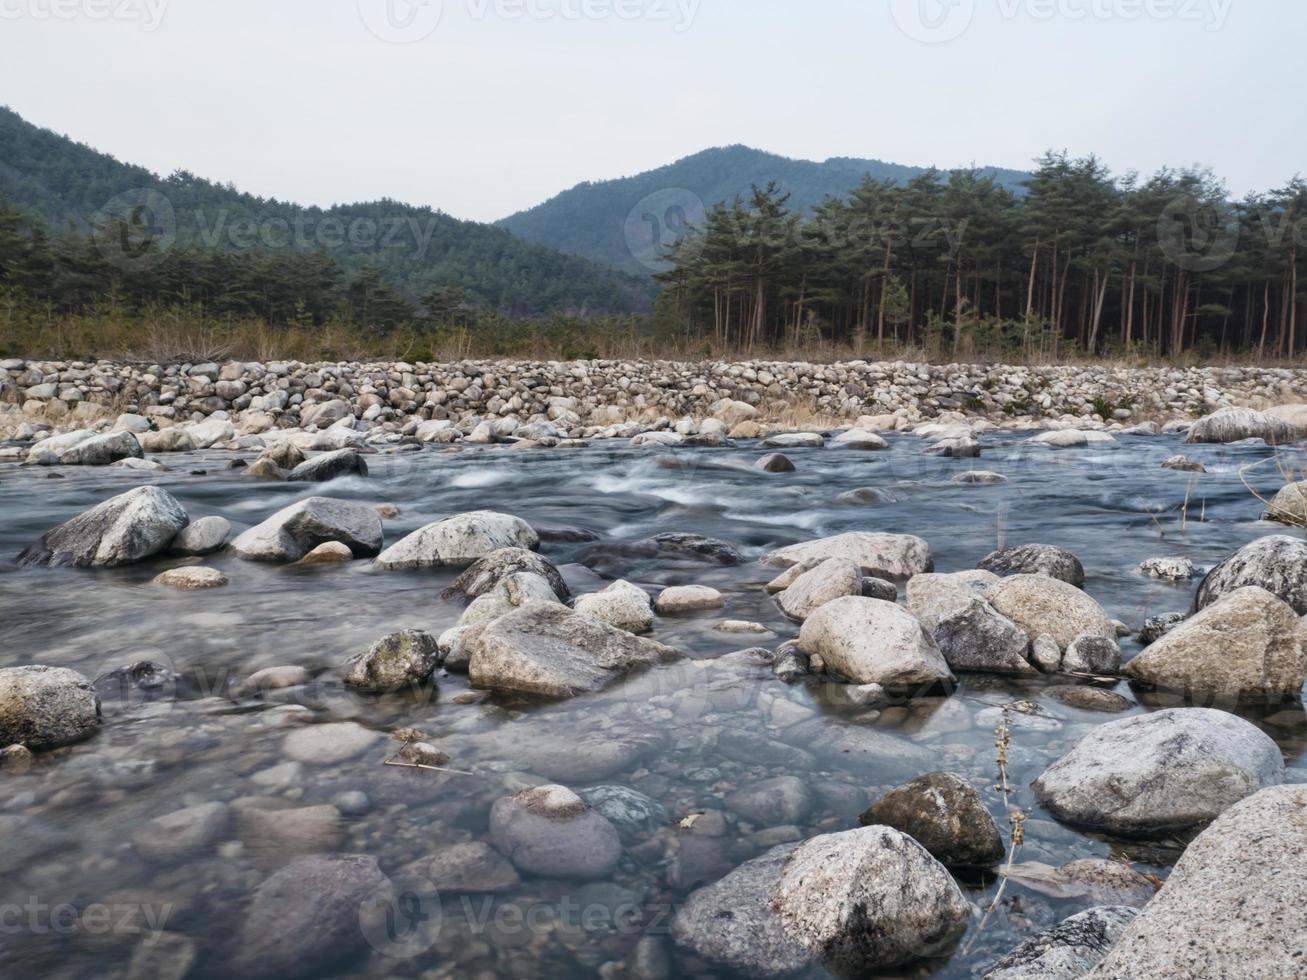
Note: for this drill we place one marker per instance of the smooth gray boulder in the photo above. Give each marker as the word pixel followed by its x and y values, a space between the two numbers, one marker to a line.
pixel 513 592
pixel 1036 559
pixel 1069 950
pixel 1277 564
pixel 1158 774
pixel 1235 904
pixel 46 707
pixel 873 642
pixel 312 915
pixel 622 605
pixel 1249 645
pixel 205 536
pixel 882 555
pixel 1092 655
pixel 973 636
pixel 945 815
pixel 775 463
pixel 795 440
pixel 859 439
pixel 329 466
pixel 551 832
pixel 123 530
pixel 290 534
pixel 867 900
pixel 486 573
pixel 1044 606
pixel 395 662
pixel 1289 506
pixel 833 579
pixel 1238 424
pixel 459 540
pixel 550 651
pixel 102 450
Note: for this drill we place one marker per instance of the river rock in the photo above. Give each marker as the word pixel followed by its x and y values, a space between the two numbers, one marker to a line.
pixel 1289 506
pixel 205 536
pixel 1249 644
pixel 622 605
pixel 46 707
pixel 329 466
pixel 1235 904
pixel 192 578
pixel 172 440
pixel 971 634
pixel 859 439
pixel 1183 464
pixel 1036 559
pixel 1071 438
pixel 313 915
pixel 473 868
pixel 832 579
pixel 123 530
pixel 329 744
pixel 459 540
pixel 328 553
pixel 1277 564
pixel 867 900
pixel 486 573
pixel 688 598
pixel 1069 950
pixel 795 440
pixel 881 555
pixel 211 432
pixel 102 450
pixel 944 814
pixel 1153 775
pixel 550 831
pixel 1092 655
pixel 980 478
pixel 395 662
pixel 182 835
pixel 1044 606
pixel 512 592
pixel 631 812
pixel 551 651
pixel 1168 569
pixel 775 463
pixel 874 642
pixel 1237 424
pixel 775 802
pixel 290 534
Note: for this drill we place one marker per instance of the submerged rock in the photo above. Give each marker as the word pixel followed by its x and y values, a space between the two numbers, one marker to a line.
pixel 944 814
pixel 1157 774
pixel 1235 904
pixel 777 802
pixel 551 651
pixel 474 868
pixel 1036 559
pixel 182 835
pixel 1277 564
pixel 881 555
pixel 874 642
pixel 552 832
pixel 46 707
pixel 459 540
pixel 400 660
pixel 192 578
pixel 123 530
pixel 1069 950
pixel 1247 645
pixel 290 534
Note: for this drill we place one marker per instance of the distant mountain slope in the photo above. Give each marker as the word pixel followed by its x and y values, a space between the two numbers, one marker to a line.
pixel 596 220
pixel 68 183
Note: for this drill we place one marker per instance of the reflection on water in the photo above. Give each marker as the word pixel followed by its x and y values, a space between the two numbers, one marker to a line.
pixel 683 737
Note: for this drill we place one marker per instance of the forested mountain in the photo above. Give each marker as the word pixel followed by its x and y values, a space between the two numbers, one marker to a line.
pixel 959 265
pixel 188 222
pixel 591 219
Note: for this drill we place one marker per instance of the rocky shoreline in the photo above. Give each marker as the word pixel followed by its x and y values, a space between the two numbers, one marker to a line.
pixel 598 399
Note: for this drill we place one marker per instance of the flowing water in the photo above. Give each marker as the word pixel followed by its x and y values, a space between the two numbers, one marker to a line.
pixel 686 736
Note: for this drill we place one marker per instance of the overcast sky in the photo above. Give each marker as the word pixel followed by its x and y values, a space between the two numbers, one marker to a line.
pixel 500 104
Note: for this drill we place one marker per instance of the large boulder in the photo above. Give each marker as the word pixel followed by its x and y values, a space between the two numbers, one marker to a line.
pixel 552 832
pixel 1289 506
pixel 970 632
pixel 1036 559
pixel 102 450
pixel 881 555
pixel 398 661
pixel 211 432
pixel 1236 903
pixel 1044 606
pixel 312 915
pixel 1158 774
pixel 486 573
pixel 1069 950
pixel 623 605
pixel 512 592
pixel 833 579
pixel 551 651
pixel 46 707
pixel 459 540
pixel 859 439
pixel 1277 564
pixel 205 536
pixel 945 815
pixel 329 466
pixel 867 900
pixel 870 641
pixel 290 534
pixel 125 529
pixel 1248 645
pixel 1237 424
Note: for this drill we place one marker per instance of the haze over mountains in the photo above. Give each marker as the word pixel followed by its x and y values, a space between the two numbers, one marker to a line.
pixel 590 249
